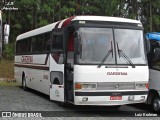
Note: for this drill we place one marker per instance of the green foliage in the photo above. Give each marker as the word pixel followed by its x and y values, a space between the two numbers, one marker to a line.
pixel 32 14
pixel 9 51
pixel 29 17
pixel 43 23
pixel 17 26
pixel 8 83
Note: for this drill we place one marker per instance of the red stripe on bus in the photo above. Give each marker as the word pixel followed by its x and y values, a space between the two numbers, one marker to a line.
pixel 32 67
pixel 71 42
pixel 67 21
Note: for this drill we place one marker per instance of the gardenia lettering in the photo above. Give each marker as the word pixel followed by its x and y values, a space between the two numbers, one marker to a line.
pixel 117 73
pixel 27 59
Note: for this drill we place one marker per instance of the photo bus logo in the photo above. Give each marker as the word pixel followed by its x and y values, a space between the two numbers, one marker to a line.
pixel 6 114
pixel 21 114
pixel 9 6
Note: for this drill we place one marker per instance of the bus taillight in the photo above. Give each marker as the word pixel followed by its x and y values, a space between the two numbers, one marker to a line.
pixel 147 85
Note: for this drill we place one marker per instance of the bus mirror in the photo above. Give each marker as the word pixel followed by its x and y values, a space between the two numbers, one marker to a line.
pixel 76 34
pixel 78 46
pixel 80 50
pixel 6 30
pixel 157 54
pixel 147 45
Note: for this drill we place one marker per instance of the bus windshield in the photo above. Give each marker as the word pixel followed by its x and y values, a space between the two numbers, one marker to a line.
pixel 95 43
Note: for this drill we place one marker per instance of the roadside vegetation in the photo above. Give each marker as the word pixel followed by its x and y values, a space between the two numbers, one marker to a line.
pixel 8 83
pixel 7 69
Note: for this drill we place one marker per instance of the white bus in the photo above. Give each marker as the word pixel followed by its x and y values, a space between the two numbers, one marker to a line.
pixel 85 60
pixel 154 71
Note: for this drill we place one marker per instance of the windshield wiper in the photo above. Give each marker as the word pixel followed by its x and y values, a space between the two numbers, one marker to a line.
pixel 123 55
pixel 106 56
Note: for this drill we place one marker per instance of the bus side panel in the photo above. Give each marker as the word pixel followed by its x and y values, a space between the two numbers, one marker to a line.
pixel 154 78
pixel 18 75
pixel 38 80
pixel 36 70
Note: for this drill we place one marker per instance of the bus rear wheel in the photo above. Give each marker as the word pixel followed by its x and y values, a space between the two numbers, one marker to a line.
pixel 24 86
pixel 156 104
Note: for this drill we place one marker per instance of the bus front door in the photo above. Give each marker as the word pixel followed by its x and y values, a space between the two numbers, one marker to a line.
pixel 57 66
pixel 57 86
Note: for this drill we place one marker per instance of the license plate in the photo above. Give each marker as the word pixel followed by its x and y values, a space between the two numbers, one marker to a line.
pixel 115 97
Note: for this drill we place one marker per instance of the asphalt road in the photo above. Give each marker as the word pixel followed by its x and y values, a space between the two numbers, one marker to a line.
pixel 15 99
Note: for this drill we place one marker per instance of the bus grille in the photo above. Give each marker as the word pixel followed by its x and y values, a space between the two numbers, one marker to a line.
pixel 115 86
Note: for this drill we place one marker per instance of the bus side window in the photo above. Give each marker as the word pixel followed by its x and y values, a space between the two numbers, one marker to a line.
pixel 17 47
pixel 23 44
pixel 47 41
pixel 39 43
pixel 155 55
pixel 28 45
pixel 57 43
pixel 57 46
pixel 157 51
pixel 33 44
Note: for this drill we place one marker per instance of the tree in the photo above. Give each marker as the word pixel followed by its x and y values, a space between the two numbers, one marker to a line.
pixel 36 13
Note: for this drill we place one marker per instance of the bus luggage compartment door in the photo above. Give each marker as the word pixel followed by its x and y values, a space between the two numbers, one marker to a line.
pixel 57 86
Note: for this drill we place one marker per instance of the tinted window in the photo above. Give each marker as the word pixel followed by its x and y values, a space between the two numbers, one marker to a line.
pixel 47 41
pixel 34 45
pixel 57 41
pixel 39 43
pixel 154 55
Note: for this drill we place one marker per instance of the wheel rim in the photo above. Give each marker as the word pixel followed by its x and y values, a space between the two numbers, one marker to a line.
pixel 156 104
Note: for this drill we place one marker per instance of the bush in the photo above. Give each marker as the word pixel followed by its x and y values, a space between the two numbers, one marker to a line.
pixel 9 51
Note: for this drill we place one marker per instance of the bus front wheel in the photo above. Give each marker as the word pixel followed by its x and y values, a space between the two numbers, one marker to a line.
pixel 156 104
pixel 116 106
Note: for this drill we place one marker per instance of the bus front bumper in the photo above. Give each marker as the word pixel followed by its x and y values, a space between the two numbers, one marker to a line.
pixel 110 98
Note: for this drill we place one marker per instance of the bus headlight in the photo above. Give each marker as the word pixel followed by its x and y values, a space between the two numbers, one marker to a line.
pixel 89 86
pixel 141 86
pixel 85 86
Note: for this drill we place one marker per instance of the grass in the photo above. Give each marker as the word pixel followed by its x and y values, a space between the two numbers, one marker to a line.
pixel 8 84
pixel 6 69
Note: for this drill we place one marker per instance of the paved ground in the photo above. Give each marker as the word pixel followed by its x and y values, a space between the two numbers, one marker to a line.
pixel 15 99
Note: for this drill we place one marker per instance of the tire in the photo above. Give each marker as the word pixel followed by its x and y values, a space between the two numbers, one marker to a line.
pixel 24 86
pixel 156 104
pixel 116 107
pixel 62 104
